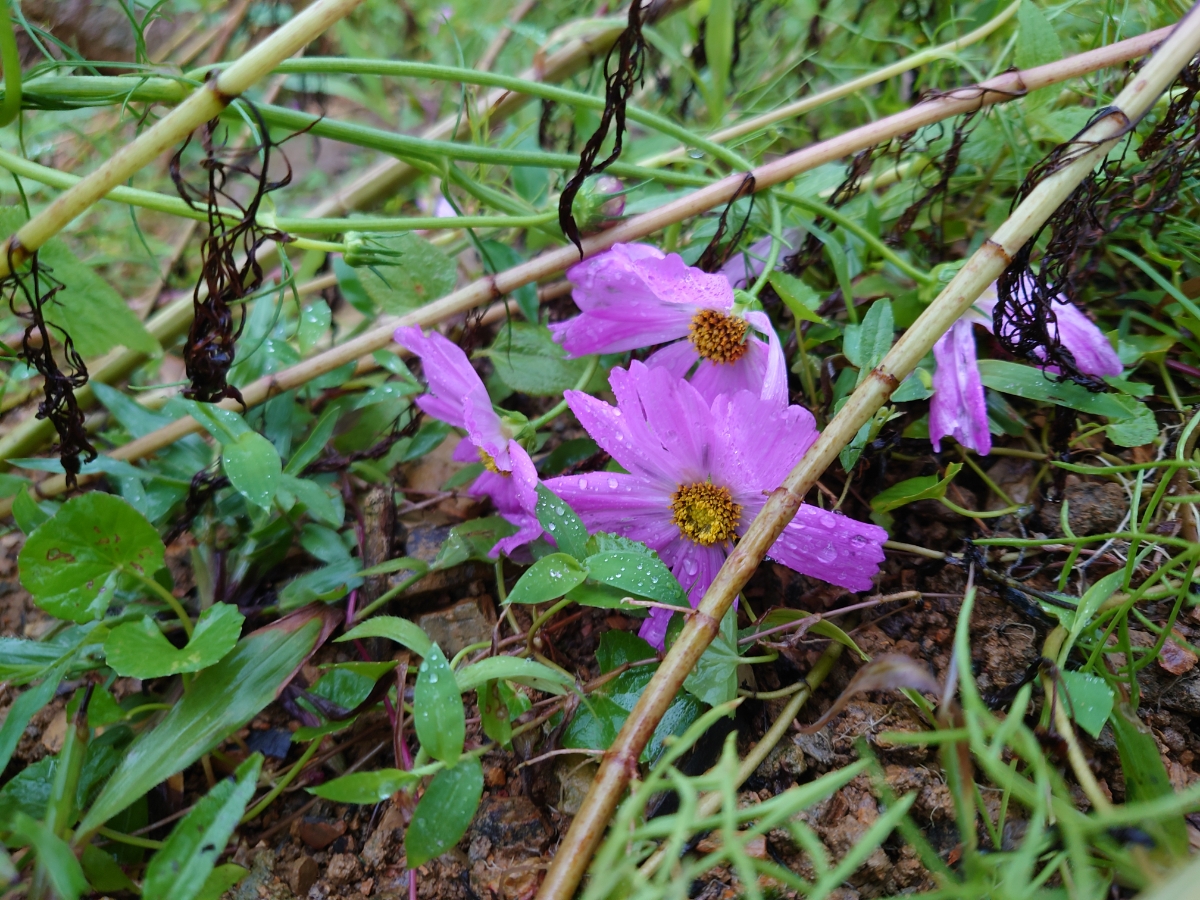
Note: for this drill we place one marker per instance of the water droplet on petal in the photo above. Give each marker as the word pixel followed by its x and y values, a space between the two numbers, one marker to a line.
pixel 827 554
pixel 582 483
pixel 690 566
pixel 612 484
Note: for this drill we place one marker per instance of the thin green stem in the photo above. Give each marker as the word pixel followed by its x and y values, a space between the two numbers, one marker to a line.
pixel 10 59
pixel 281 785
pixel 776 242
pixel 132 840
pixel 168 598
pixel 388 595
pixel 559 408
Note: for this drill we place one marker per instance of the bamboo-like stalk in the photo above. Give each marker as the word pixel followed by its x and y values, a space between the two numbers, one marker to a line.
pixel 984 266
pixel 854 85
pixel 197 109
pixel 997 90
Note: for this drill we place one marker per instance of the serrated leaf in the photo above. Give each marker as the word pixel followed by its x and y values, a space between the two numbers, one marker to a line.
pixel 713 680
pixel 527 359
pixel 72 563
pixel 181 867
pixel 140 650
pixel 548 579
pixel 444 812
pixel 437 708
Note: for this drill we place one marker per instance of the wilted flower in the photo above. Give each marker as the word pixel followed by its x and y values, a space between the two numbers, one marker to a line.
pixel 958 408
pixel 698 472
pixel 633 296
pixel 601 198
pixel 457 397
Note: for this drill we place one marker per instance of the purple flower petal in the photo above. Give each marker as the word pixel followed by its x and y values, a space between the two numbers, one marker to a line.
pixel 456 394
pixel 837 549
pixel 1093 353
pixel 677 358
pixel 695 566
pixel 958 407
pixel 515 498
pixel 654 628
pixel 748 464
pixel 774 380
pixel 620 504
pixel 668 422
pixel 620 309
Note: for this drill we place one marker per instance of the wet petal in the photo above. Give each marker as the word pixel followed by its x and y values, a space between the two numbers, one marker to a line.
pixel 958 407
pixel 621 504
pixel 1092 351
pixel 834 548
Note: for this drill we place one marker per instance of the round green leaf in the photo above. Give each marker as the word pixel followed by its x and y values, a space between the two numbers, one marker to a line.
pixel 442 816
pixel 139 649
pixel 253 466
pixel 437 708
pixel 71 562
pixel 548 579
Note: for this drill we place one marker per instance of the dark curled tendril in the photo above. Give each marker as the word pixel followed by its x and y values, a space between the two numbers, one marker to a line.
pixel 717 254
pixel 1025 320
pixel 27 294
pixel 210 349
pixel 619 84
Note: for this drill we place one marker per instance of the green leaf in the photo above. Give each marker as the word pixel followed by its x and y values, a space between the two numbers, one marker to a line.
pixel 1141 429
pixel 872 339
pixel 1146 777
pixel 395 629
pixel 316 440
pixel 620 647
pixel 221 700
pixel 634 573
pixel 548 579
pixel 1033 384
pixel 599 595
pixel 349 684
pixel 437 708
pixel 527 359
pixel 511 668
pixel 314 322
pixel 220 880
pixel 713 680
pixel 1091 601
pixel 416 273
pixel 498 257
pixel 71 563
pixel 831 631
pixel 27 512
pixel 561 523
pixel 22 710
pixel 399 564
pixel 718 50
pixel 445 811
pixel 364 787
pixel 254 468
pixel 926 487
pixel 802 300
pixel 316 501
pixel 93 312
pixel 1090 700
pixel 103 872
pixel 140 650
pixel 1037 44
pixel 54 857
pixel 181 867
pixel 472 541
pixel 499 707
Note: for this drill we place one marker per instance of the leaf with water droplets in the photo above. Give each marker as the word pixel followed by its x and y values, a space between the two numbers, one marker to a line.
pixel 441 818
pixel 548 579
pixel 511 668
pixel 645 576
pixel 437 708
pixel 566 528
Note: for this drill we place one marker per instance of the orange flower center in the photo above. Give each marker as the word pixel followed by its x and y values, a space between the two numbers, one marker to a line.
pixel 489 462
pixel 705 513
pixel 718 337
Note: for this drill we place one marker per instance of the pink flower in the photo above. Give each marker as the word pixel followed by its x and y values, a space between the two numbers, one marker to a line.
pixel 698 472
pixel 633 296
pixel 457 397
pixel 958 408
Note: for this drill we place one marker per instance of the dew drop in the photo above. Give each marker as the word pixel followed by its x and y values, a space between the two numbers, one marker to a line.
pixel 551 526
pixel 689 566
pixel 653 579
pixel 612 484
pixel 560 510
pixel 858 540
pixel 827 554
pixel 582 483
pixel 433 678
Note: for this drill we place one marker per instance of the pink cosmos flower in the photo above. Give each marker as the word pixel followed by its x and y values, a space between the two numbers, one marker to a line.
pixel 633 296
pixel 457 397
pixel 698 472
pixel 958 408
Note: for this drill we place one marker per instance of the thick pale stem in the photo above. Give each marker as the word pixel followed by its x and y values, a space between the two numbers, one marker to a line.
pixel 996 90
pixel 984 266
pixel 197 109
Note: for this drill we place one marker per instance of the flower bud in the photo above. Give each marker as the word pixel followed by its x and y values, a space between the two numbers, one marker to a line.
pixel 364 249
pixel 601 198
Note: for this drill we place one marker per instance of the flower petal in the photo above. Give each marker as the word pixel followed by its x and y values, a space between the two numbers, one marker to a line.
pixel 750 461
pixel 668 422
pixel 619 307
pixel 515 498
pixel 654 627
pixel 774 384
pixel 958 407
pixel 456 393
pixel 677 358
pixel 1093 353
pixel 621 504
pixel 694 565
pixel 834 548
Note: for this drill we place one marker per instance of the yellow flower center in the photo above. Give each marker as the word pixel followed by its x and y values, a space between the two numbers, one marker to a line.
pixel 489 462
pixel 717 336
pixel 705 513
